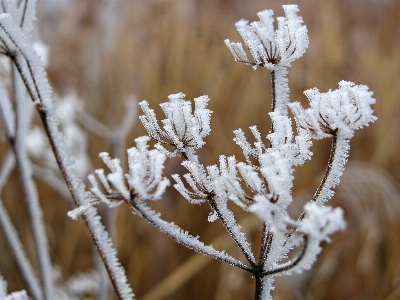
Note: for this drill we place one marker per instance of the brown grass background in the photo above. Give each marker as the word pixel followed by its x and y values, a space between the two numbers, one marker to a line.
pixel 155 48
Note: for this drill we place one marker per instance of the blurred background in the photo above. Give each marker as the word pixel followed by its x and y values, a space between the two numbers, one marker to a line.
pixel 106 51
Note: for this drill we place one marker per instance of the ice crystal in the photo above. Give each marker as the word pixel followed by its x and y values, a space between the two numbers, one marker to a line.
pixel 183 130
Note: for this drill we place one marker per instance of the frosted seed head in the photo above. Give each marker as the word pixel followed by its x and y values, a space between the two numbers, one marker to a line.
pixel 271 47
pixel 184 129
pixel 321 221
pixel 336 112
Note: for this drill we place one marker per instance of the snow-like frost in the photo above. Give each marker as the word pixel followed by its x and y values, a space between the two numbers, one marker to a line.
pixel 22 295
pixel 183 130
pixel 321 221
pixel 34 77
pixel 344 110
pixel 269 47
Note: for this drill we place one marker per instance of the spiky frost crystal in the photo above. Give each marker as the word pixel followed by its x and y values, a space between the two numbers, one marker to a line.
pixel 183 130
pixel 144 180
pixel 270 47
pixel 343 110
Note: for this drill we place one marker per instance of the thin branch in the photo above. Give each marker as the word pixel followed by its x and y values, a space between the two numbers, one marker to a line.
pixel 194 264
pixel 21 52
pixel 31 195
pixel 328 171
pixel 20 256
pixel 7 167
pixel 223 217
pixel 322 184
pixel 291 264
pixel 177 234
pixel 266 241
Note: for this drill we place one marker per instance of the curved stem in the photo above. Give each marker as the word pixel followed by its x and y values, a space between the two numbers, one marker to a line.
pixel 291 264
pixel 177 234
pixel 233 232
pixel 327 173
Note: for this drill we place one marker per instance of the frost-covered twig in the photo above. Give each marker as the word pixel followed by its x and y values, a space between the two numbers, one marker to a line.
pixel 183 238
pixel 23 117
pixel 33 75
pixel 18 250
pixel 12 235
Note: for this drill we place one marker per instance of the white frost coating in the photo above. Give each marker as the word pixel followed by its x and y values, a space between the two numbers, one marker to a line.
pixel 182 237
pixel 291 36
pixel 281 90
pixel 28 62
pixel 42 51
pixel 24 110
pixel 110 254
pixel 344 110
pixel 183 129
pixel 337 167
pixel 32 71
pixel 217 186
pixel 144 180
pixel 321 221
pixel 22 295
pixel 271 48
pixel 273 214
pixel 145 171
pixel 23 12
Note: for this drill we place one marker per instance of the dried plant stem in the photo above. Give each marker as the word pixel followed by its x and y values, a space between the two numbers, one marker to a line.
pixel 259 274
pixel 292 263
pixel 31 196
pixel 21 259
pixel 223 218
pixel 162 226
pixel 88 221
pixel 328 170
pixel 33 76
pixel 327 173
pixel 194 264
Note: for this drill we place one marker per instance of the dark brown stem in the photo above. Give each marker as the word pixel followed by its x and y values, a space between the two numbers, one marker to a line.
pixel 259 287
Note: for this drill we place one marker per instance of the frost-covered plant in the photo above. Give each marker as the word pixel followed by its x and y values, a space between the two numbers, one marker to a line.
pixel 29 82
pixel 261 185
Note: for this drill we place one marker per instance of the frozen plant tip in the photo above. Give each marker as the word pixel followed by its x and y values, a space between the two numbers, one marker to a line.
pixel 183 130
pixel 270 47
pixel 144 180
pixel 336 112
